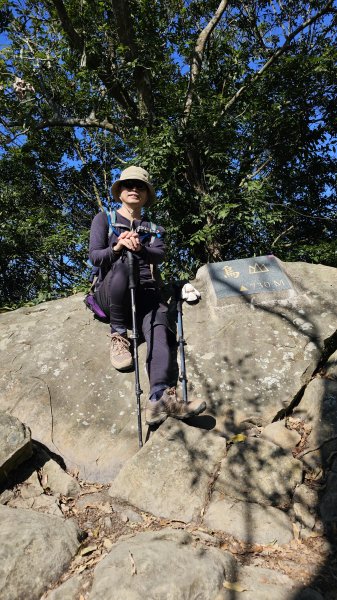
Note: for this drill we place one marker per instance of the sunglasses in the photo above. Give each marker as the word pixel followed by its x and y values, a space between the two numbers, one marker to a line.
pixel 129 184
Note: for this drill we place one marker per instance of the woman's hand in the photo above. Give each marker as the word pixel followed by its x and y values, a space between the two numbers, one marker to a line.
pixel 129 240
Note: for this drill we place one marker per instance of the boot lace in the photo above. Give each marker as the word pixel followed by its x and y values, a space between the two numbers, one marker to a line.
pixel 172 392
pixel 119 344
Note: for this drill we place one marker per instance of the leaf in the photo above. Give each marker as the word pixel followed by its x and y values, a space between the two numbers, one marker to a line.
pixel 88 550
pixel 44 481
pixel 296 532
pixel 239 437
pixel 80 569
pixel 315 534
pixel 107 543
pixel 236 587
pixel 225 210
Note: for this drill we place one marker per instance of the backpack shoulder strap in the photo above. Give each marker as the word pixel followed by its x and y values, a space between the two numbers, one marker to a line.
pixel 111 214
pixel 155 273
pixel 153 228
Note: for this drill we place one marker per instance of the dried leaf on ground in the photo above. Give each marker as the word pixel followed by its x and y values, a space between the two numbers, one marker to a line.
pixel 296 531
pixel 88 550
pixel 239 437
pixel 80 569
pixel 44 481
pixel 107 543
pixel 235 587
pixel 315 534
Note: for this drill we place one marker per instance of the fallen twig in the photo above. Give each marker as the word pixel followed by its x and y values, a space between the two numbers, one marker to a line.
pixel 133 564
pixel 308 450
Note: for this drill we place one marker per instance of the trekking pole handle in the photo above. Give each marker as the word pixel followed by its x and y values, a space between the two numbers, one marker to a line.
pixel 132 278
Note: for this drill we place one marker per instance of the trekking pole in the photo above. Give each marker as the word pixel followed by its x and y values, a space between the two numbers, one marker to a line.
pixel 182 343
pixel 134 336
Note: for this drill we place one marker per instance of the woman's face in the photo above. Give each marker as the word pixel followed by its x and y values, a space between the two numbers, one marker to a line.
pixel 133 192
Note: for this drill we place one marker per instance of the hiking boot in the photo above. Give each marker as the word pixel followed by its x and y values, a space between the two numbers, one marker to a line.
pixel 155 412
pixel 120 355
pixel 177 408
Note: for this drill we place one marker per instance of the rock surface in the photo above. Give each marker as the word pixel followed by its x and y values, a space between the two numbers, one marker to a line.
pixel 69 590
pixel 249 473
pixel 258 354
pixel 15 444
pixel 281 436
pixel 161 565
pixel 170 476
pixel 249 360
pixel 57 480
pixel 318 409
pixel 258 583
pixel 239 501
pixel 35 550
pixel 249 522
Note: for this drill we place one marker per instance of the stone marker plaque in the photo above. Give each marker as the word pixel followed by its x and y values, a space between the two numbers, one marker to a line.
pixel 248 276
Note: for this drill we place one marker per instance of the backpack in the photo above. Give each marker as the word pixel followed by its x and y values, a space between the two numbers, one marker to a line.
pixel 89 299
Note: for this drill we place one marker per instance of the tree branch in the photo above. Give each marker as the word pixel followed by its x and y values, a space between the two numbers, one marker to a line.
pixel 93 60
pixel 73 122
pixel 276 55
pixel 197 59
pixel 281 235
pixel 252 175
pixel 117 91
pixel 126 34
pixel 75 39
pixel 94 185
pixel 253 20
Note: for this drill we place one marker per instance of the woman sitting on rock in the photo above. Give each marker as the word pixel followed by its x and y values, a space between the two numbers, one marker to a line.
pixel 109 252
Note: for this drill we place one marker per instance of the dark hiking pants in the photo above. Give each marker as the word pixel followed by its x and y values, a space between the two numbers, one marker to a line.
pixel 114 298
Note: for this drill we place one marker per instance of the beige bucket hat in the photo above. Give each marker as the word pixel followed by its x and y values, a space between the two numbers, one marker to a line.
pixel 134 173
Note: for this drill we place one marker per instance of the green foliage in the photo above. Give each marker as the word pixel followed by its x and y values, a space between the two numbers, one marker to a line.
pixel 247 168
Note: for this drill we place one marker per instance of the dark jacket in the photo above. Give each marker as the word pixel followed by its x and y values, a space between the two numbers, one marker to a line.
pixel 101 247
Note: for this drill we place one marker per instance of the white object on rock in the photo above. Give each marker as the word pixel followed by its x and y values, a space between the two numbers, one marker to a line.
pixel 190 293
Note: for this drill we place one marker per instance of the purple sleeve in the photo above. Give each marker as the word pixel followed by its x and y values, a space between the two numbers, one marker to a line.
pixel 100 252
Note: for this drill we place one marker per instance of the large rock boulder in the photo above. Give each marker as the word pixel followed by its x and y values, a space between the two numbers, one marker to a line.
pixel 162 564
pixel 257 354
pixel 35 549
pixel 171 476
pixel 249 361
pixel 248 521
pixel 234 477
pixel 56 378
pixel 318 409
pixel 15 444
pixel 259 471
